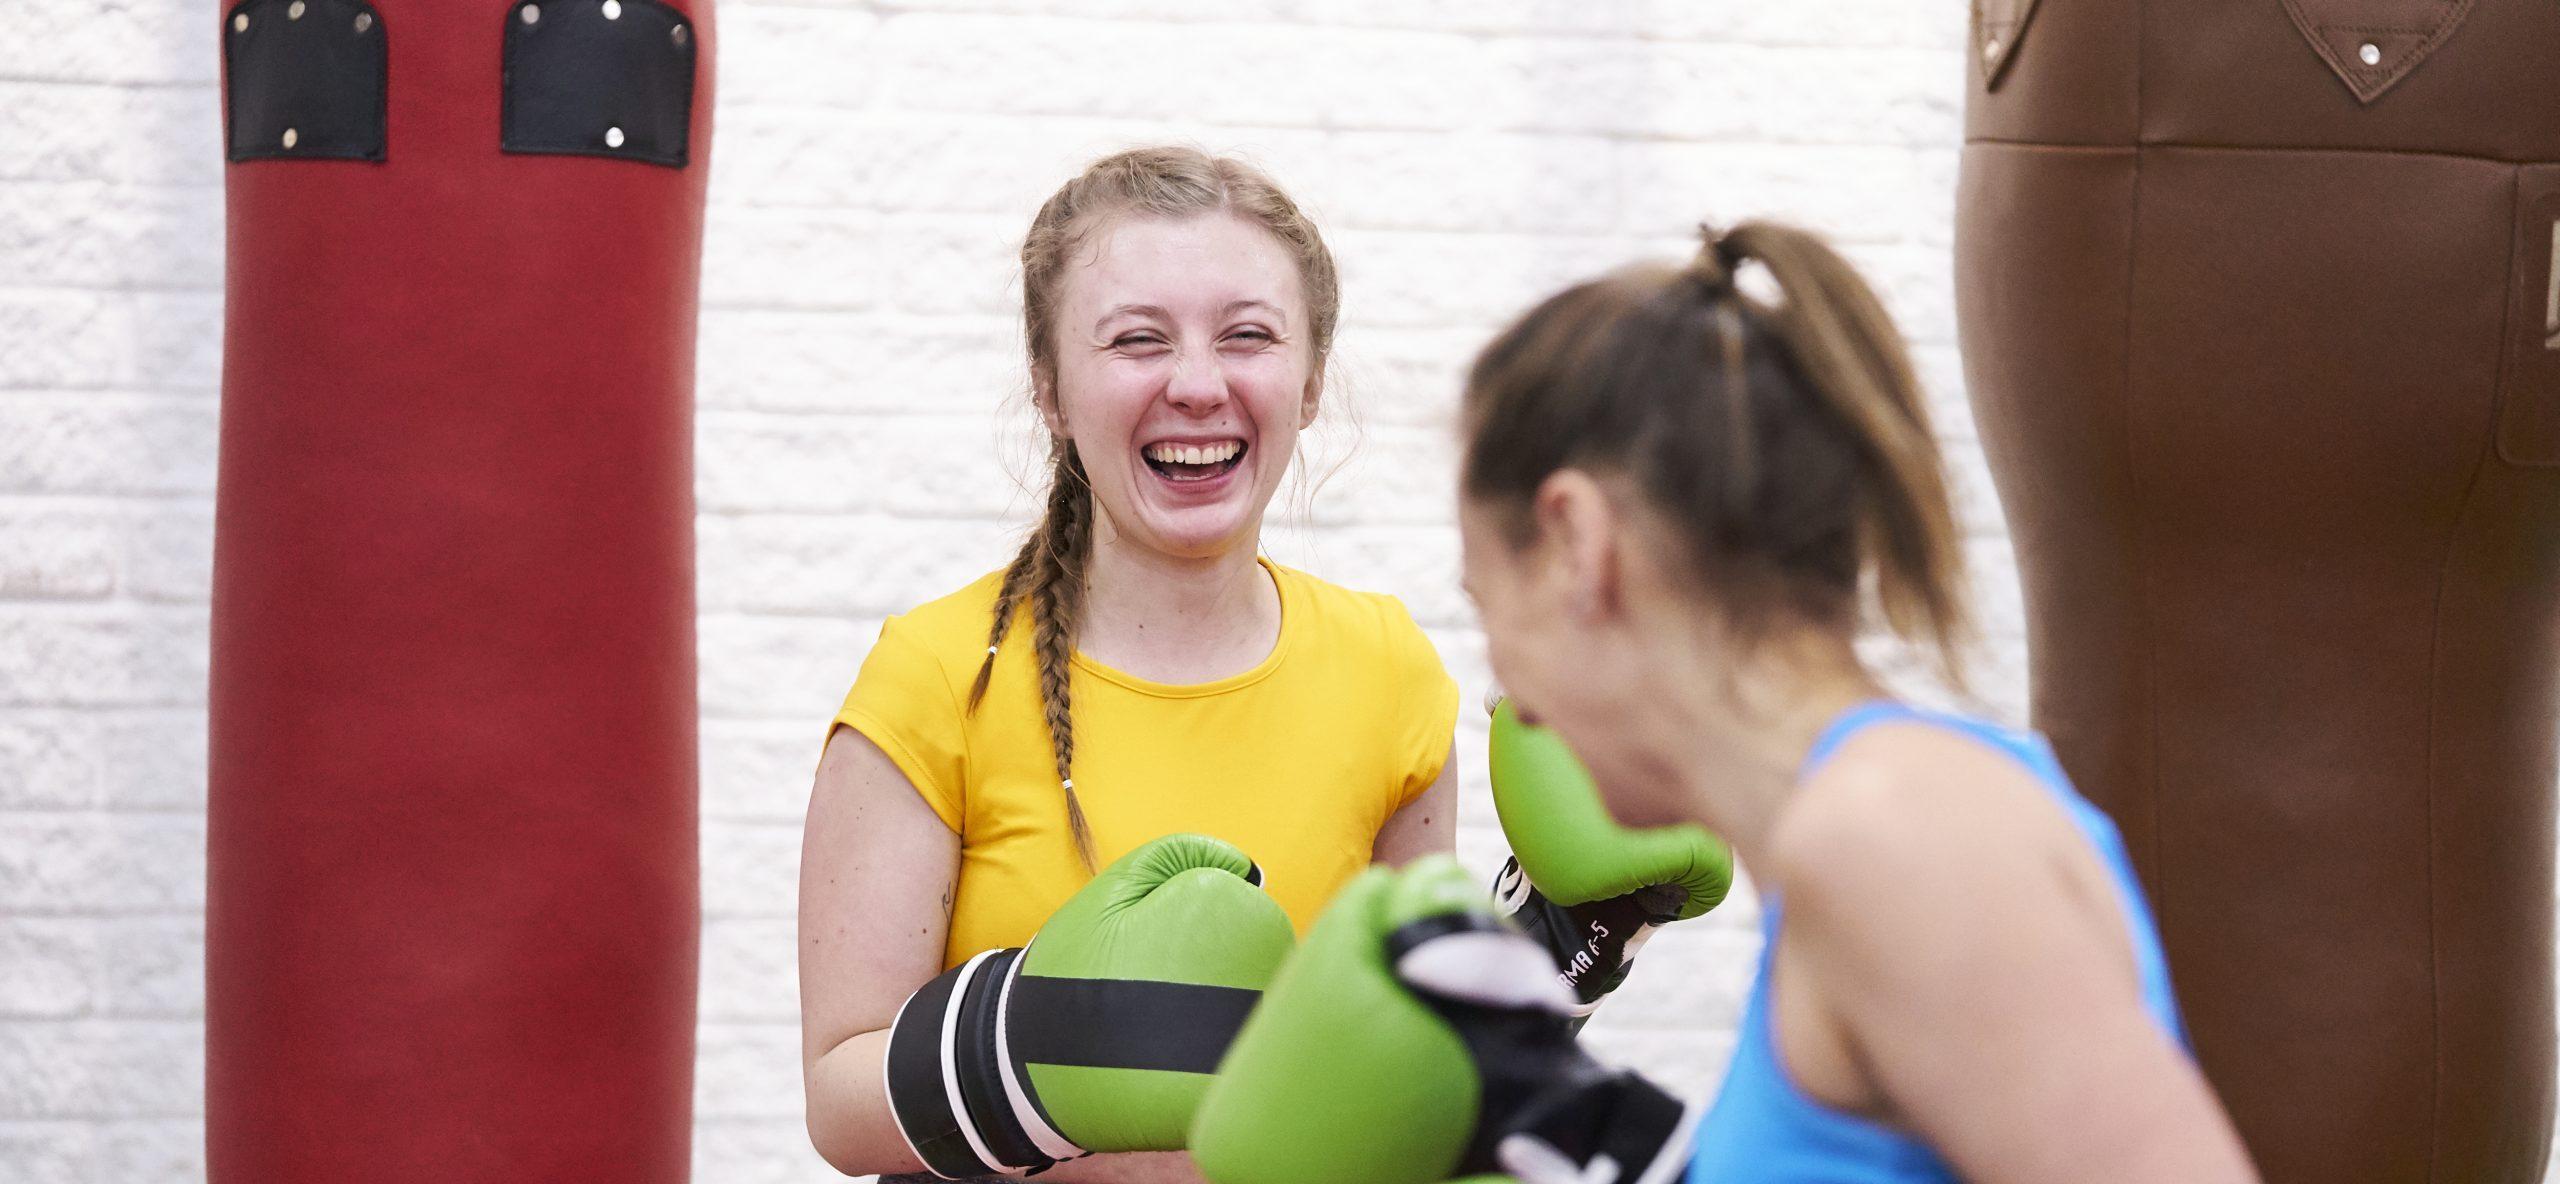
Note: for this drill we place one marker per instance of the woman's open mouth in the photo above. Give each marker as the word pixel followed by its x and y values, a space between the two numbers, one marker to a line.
pixel 1185 463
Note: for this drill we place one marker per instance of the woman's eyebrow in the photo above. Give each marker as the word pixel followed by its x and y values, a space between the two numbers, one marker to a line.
pixel 1129 310
pixel 1277 313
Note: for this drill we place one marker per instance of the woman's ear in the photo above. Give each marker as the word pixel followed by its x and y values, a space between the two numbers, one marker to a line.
pixel 1578 532
pixel 1313 399
pixel 1044 397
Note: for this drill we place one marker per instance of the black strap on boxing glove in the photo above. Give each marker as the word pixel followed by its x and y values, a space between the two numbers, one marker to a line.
pixel 1548 1112
pixel 1591 944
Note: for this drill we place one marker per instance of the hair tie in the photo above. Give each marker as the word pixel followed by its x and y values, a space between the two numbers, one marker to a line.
pixel 1717 259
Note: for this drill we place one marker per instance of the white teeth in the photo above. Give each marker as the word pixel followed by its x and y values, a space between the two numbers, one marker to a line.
pixel 1192 454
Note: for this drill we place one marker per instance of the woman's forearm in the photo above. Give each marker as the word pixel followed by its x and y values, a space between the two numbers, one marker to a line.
pixel 849 1119
pixel 853 1130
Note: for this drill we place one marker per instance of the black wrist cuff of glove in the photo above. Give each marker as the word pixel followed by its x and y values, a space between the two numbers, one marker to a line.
pixel 1639 1131
pixel 1592 944
pixel 947 1077
pixel 956 1073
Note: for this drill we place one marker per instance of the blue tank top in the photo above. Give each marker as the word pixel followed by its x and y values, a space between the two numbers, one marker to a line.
pixel 1765 1130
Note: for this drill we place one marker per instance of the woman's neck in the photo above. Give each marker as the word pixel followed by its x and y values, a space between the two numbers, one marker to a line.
pixel 1732 738
pixel 1176 618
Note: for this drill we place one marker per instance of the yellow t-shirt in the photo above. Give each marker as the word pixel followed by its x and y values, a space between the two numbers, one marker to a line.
pixel 1299 760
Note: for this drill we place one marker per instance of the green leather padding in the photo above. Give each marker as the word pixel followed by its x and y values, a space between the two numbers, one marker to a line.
pixel 1177 909
pixel 1341 1074
pixel 1569 845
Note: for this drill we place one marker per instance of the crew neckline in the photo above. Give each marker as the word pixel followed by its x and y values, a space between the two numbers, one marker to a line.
pixel 1243 678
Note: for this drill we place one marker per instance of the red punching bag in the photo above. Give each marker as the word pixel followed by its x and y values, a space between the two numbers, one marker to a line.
pixel 2261 323
pixel 453 911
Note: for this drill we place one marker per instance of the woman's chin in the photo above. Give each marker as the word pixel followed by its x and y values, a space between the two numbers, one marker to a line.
pixel 1196 532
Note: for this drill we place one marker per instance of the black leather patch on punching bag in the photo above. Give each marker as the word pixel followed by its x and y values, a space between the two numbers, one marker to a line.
pixel 599 78
pixel 304 79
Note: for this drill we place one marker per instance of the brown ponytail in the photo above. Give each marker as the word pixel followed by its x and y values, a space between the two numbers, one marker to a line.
pixel 1048 573
pixel 1787 442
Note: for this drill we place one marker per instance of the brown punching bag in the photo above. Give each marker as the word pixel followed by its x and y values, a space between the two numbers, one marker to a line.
pixel 2261 325
pixel 452 914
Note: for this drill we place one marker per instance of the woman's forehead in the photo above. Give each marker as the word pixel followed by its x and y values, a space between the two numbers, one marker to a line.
pixel 1207 263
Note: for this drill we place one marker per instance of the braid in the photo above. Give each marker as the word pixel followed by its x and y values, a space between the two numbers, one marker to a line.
pixel 1017 576
pixel 1056 582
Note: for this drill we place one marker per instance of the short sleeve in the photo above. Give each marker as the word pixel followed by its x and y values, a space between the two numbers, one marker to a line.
pixel 904 702
pixel 1431 699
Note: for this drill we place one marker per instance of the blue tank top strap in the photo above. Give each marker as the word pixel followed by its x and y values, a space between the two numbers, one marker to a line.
pixel 1763 1129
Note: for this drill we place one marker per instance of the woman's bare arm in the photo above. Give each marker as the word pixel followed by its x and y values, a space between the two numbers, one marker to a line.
pixel 1427 824
pixel 1993 1007
pixel 877 869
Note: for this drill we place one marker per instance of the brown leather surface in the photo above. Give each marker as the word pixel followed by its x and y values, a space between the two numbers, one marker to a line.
pixel 2263 371
pixel 2244 73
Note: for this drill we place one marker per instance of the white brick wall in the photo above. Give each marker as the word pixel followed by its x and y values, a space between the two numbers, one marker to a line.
pixel 861 442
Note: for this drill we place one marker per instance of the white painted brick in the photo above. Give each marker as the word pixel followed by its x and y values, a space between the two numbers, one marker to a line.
pixel 943 266
pixel 1673 186
pixel 748 1071
pixel 123 41
pixel 93 234
pixel 762 771
pixel 758 1151
pixel 97 443
pixel 1434 180
pixel 74 863
pixel 57 553
pixel 937 466
pixel 779 668
pixel 763 861
pixel 100 1069
pixel 151 966
pixel 1411 279
pixel 1838 23
pixel 837 258
pixel 62 339
pixel 87 132
pixel 796 55
pixel 1221 74
pixel 843 566
pixel 1388 377
pixel 98 657
pixel 1396 475
pixel 772 360
pixel 750 970
pixel 49 760
pixel 48 967
pixel 49 1152
pixel 156 1148
pixel 1551 17
pixel 167 556
pixel 153 759
pixel 1153 10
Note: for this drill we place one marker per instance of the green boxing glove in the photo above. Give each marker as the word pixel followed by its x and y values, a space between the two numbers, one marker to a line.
pixel 1416 1037
pixel 1589 890
pixel 1101 1034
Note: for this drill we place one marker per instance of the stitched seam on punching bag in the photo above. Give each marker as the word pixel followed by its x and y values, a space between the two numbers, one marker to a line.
pixel 2435 682
pixel 2133 486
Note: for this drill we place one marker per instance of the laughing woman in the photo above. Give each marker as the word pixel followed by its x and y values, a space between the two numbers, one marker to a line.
pixel 1138 669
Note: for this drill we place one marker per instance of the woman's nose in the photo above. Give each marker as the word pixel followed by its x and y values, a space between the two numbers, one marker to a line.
pixel 1199 382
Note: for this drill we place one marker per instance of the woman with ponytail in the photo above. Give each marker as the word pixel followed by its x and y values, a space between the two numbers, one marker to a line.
pixel 1682 504
pixel 1138 669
